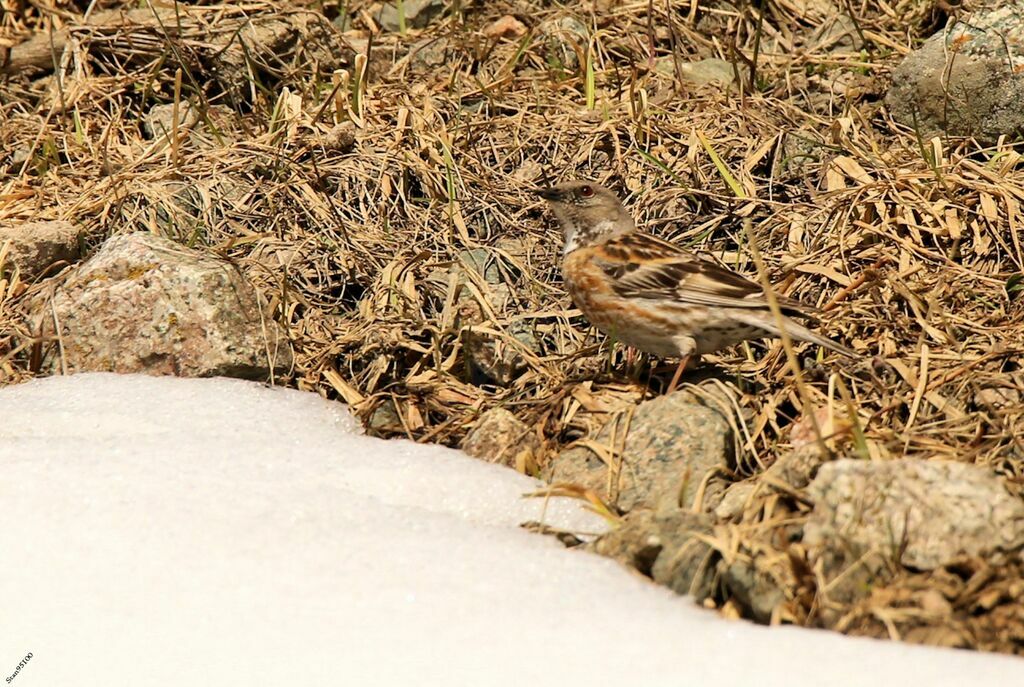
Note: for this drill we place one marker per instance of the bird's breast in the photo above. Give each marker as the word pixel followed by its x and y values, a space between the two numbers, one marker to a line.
pixel 639 323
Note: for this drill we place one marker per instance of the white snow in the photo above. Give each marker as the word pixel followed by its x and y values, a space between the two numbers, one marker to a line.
pixel 159 531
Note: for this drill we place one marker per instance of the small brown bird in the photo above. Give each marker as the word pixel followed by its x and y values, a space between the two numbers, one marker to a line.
pixel 650 294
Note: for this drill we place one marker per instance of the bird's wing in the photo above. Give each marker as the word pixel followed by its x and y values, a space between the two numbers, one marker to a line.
pixel 644 266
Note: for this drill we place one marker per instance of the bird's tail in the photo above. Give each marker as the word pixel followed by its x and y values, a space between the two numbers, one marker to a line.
pixel 802 333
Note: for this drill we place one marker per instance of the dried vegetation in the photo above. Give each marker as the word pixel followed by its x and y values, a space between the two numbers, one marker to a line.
pixel 374 186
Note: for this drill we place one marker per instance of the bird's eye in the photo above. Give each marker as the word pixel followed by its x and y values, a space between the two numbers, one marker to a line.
pixel 586 191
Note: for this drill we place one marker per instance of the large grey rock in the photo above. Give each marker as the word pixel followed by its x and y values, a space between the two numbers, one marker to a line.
pixel 146 304
pixel 962 81
pixel 35 246
pixel 670 444
pixel 921 514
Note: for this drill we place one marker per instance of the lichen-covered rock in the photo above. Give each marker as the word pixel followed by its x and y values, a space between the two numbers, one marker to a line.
pixel 962 81
pixel 920 514
pixel 500 437
pixel 36 246
pixel 146 304
pixel 655 456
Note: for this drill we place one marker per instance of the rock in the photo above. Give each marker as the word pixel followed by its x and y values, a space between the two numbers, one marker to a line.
pixel 962 81
pixel 837 34
pixel 505 27
pixel 565 42
pixel 340 138
pixel 702 72
pixel 802 156
pixel 146 304
pixel 418 13
pixel 499 437
pixel 677 550
pixel 159 121
pixel 384 420
pixel 182 210
pixel 999 397
pixel 491 357
pixel 671 548
pixel 687 564
pixel 428 54
pixel 734 501
pixel 672 442
pixel 752 587
pixel 921 514
pixel 797 467
pixel 36 246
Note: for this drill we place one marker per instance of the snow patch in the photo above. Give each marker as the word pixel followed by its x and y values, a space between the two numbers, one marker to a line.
pixel 162 531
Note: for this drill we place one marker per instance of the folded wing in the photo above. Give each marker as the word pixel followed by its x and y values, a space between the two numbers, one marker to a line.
pixel 644 266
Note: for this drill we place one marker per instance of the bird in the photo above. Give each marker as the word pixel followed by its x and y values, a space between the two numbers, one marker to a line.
pixel 651 294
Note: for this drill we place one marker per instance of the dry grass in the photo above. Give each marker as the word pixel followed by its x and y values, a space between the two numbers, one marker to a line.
pixel 349 213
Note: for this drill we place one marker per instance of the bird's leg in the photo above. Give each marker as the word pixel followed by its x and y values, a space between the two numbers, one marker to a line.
pixel 631 359
pixel 686 347
pixel 679 373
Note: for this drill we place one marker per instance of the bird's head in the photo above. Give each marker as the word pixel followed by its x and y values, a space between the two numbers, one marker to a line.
pixel 587 212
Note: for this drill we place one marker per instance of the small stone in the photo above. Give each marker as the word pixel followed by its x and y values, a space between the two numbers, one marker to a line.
pixel 499 437
pixel 802 155
pixel 19 157
pixel 753 588
pixel 384 420
pixel 340 138
pixel 997 397
pixel 797 467
pixel 734 501
pixel 934 603
pixel 838 34
pixel 565 42
pixel 491 357
pixel 428 54
pixel 507 26
pixel 418 14
pixel 528 171
pixel 670 444
pixel 182 209
pixel 159 121
pixel 703 72
pixel 921 514
pixel 671 548
pixel 146 304
pixel 37 246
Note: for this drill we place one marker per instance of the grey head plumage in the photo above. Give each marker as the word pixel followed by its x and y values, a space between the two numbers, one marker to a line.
pixel 587 212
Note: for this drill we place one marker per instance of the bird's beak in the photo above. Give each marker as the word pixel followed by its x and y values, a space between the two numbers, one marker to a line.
pixel 548 193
